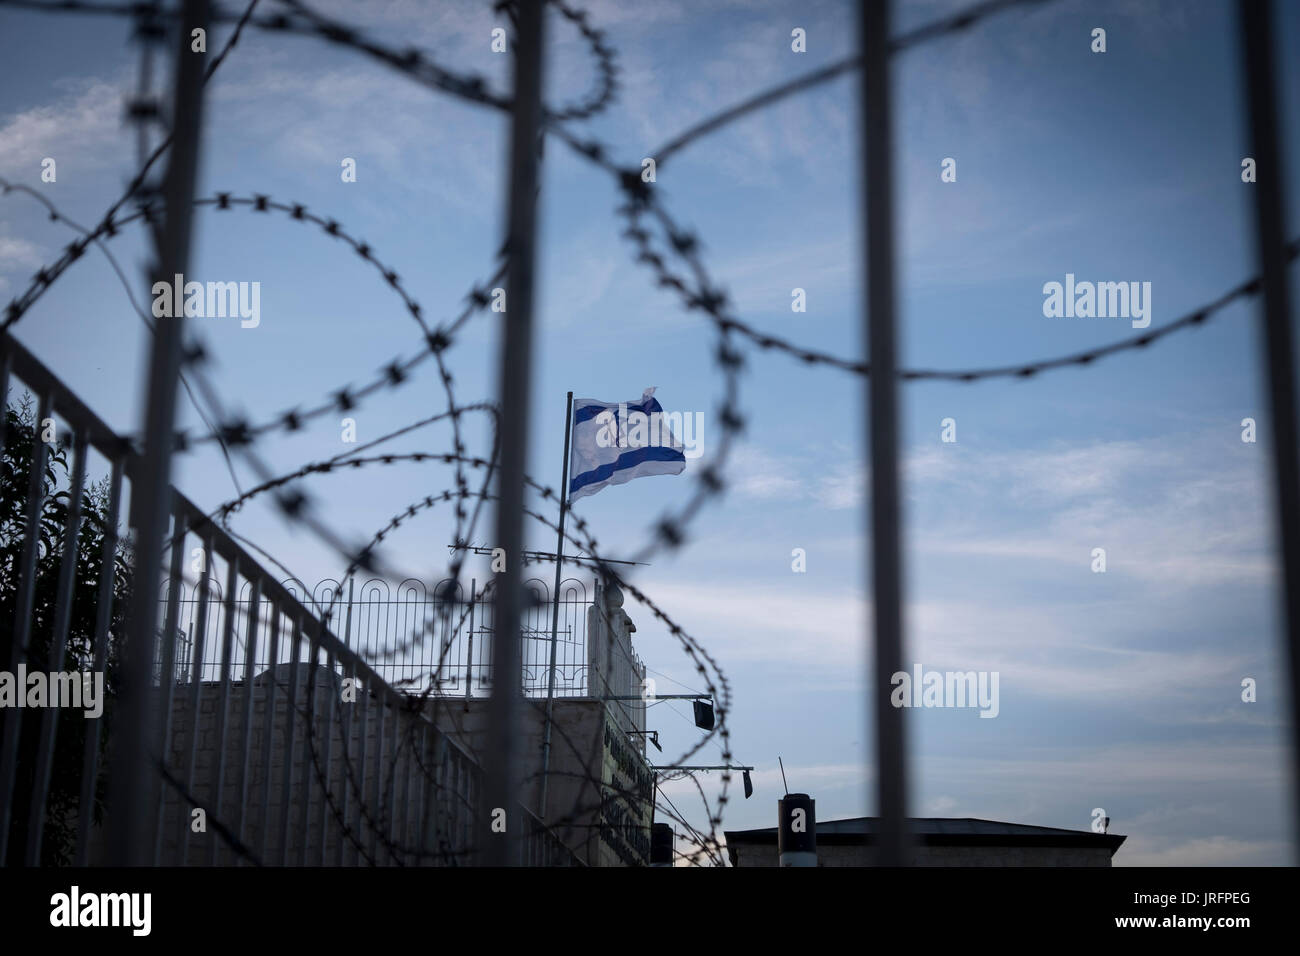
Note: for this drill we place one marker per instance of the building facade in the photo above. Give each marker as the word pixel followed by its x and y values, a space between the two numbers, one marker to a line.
pixel 937 841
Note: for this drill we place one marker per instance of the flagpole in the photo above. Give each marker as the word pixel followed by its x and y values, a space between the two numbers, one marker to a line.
pixel 555 610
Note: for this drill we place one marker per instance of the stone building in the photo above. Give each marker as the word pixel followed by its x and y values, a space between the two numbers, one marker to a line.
pixel 344 776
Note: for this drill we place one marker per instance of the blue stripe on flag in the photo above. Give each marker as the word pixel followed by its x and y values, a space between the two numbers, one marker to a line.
pixel 628 459
pixel 588 412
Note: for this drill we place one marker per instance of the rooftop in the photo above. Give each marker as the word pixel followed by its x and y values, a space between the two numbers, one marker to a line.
pixel 943 831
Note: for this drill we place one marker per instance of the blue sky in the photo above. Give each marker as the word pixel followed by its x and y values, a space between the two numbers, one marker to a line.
pixel 1118 690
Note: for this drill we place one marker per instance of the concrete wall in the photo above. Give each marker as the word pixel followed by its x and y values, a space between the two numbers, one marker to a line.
pixel 582 773
pixel 397 802
pixel 595 807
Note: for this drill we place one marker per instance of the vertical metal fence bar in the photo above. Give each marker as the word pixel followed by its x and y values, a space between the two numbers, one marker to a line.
pixel 27 567
pixel 268 727
pixel 345 722
pixel 134 781
pixel 223 700
pixel 6 364
pixel 469 652
pixel 167 669
pixel 347 625
pixel 345 733
pixel 58 645
pixel 196 684
pixel 502 777
pixel 246 731
pixel 286 774
pixel 103 619
pixel 882 428
pixel 1270 213
pixel 430 662
pixel 23 618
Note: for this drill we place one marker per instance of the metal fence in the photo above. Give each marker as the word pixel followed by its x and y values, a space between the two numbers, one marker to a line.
pixel 269 757
pixel 673 254
pixel 450 655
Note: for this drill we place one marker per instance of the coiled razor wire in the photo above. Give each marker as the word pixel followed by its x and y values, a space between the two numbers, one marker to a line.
pixel 671 252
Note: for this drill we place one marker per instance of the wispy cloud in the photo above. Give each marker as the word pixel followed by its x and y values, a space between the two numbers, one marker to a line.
pixel 19 254
pixel 73 130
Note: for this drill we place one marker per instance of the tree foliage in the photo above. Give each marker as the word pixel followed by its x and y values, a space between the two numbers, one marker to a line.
pixel 22 432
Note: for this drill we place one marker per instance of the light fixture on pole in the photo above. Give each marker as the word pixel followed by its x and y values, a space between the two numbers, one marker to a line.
pixel 745 772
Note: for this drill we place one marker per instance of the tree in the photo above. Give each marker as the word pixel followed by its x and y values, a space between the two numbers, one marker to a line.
pixel 22 432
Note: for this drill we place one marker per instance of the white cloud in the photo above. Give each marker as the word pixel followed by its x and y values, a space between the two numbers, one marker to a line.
pixel 73 131
pixel 1102 489
pixel 19 255
pixel 1141 850
pixel 761 280
pixel 822 638
pixel 808 632
pixel 755 473
pixel 1175 798
pixel 1177 511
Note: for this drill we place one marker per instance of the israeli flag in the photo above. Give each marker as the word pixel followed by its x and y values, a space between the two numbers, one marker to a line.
pixel 614 442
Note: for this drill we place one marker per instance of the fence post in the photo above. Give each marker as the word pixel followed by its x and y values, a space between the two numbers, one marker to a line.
pixel 23 618
pixel 501 781
pixel 268 727
pixel 291 704
pixel 222 706
pixel 555 609
pixel 469 650
pixel 1270 213
pixel 62 616
pixel 103 615
pixel 195 706
pixel 246 728
pixel 6 363
pixel 167 664
pixel 882 427
pixel 345 731
pixel 133 778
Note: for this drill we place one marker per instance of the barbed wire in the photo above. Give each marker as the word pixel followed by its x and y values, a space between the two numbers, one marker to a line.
pixel 211 819
pixel 415 63
pixel 234 432
pixel 43 281
pixel 694 651
pixel 364 556
pixel 394 374
pixel 672 253
pixel 55 215
pixel 147 213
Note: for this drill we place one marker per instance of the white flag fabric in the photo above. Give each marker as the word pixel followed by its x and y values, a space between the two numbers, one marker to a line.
pixel 614 442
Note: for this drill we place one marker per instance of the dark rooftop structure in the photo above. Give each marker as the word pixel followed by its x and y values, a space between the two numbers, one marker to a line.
pixel 939 841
